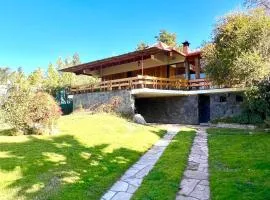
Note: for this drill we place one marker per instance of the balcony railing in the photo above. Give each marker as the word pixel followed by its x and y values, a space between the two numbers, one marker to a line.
pixel 143 82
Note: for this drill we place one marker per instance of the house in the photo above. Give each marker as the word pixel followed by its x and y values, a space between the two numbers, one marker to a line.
pixel 161 83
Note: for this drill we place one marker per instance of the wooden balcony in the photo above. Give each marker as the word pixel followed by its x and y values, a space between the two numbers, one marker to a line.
pixel 143 82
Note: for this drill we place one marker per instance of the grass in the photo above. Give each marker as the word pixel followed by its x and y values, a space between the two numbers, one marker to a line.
pixel 81 162
pixel 239 164
pixel 163 181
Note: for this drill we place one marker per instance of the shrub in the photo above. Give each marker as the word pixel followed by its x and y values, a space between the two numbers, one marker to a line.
pixel 30 112
pixel 111 107
pixel 258 98
pixel 15 109
pixel 44 111
pixel 244 118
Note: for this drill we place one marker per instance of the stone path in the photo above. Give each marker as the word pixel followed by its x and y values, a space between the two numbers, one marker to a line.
pixel 124 188
pixel 195 183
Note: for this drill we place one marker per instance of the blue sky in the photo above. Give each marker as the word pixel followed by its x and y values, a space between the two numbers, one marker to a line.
pixel 36 32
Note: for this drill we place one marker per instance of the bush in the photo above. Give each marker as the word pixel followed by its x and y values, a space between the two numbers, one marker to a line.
pixel 111 107
pixel 258 98
pixel 30 112
pixel 44 111
pixel 244 118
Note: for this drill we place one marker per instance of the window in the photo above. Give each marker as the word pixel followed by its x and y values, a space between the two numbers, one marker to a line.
pixel 222 98
pixel 239 98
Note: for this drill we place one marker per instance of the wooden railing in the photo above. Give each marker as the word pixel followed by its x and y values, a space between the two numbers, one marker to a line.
pixel 142 82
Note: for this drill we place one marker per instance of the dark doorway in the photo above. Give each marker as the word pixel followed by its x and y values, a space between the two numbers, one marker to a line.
pixel 204 108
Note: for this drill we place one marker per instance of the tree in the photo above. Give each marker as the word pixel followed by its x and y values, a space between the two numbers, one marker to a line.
pixel 141 46
pixel 4 75
pixel 258 98
pixel 167 38
pixel 258 3
pixel 36 79
pixel 52 80
pixel 76 59
pixel 239 52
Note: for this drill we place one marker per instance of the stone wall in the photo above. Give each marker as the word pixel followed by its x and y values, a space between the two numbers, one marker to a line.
pixel 176 110
pixel 89 100
pixel 225 105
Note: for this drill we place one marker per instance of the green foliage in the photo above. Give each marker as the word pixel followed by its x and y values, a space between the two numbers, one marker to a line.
pixel 36 79
pixel 16 107
pixel 25 110
pixel 167 38
pixel 258 99
pixel 57 81
pixel 52 80
pixel 25 107
pixel 239 53
pixel 141 46
pixel 247 117
pixel 44 110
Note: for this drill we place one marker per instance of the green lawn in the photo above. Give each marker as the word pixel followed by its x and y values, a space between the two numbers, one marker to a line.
pixel 87 156
pixel 163 181
pixel 239 164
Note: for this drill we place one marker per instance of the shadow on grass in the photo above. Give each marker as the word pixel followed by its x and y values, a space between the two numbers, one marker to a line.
pixel 61 167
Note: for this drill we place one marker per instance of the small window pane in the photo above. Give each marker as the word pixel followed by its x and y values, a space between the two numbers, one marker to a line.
pixel 222 99
pixel 239 98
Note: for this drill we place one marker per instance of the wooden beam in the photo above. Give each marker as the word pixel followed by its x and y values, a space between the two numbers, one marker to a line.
pixel 197 68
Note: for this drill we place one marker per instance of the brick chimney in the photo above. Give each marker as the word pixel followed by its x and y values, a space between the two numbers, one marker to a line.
pixel 185 47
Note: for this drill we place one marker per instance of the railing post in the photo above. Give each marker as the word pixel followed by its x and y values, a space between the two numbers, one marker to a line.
pixel 142 85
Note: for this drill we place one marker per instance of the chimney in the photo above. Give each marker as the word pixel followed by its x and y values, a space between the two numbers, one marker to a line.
pixel 185 47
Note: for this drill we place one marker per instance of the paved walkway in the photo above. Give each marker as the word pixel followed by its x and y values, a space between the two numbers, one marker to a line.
pixel 195 183
pixel 124 188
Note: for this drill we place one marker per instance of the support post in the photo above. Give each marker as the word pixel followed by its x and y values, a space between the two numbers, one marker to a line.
pixel 187 70
pixel 197 68
pixel 142 65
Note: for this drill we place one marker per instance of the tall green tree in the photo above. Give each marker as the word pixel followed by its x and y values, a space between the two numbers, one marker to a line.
pixel 36 78
pixel 141 46
pixel 167 38
pixel 52 80
pixel 239 52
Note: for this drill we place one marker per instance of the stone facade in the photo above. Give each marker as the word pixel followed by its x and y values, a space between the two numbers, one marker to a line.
pixel 172 110
pixel 89 100
pixel 225 105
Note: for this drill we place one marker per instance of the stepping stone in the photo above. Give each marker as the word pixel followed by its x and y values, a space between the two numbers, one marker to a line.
pixel 187 186
pixel 120 186
pixel 201 192
pixel 122 196
pixel 195 184
pixel 108 195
